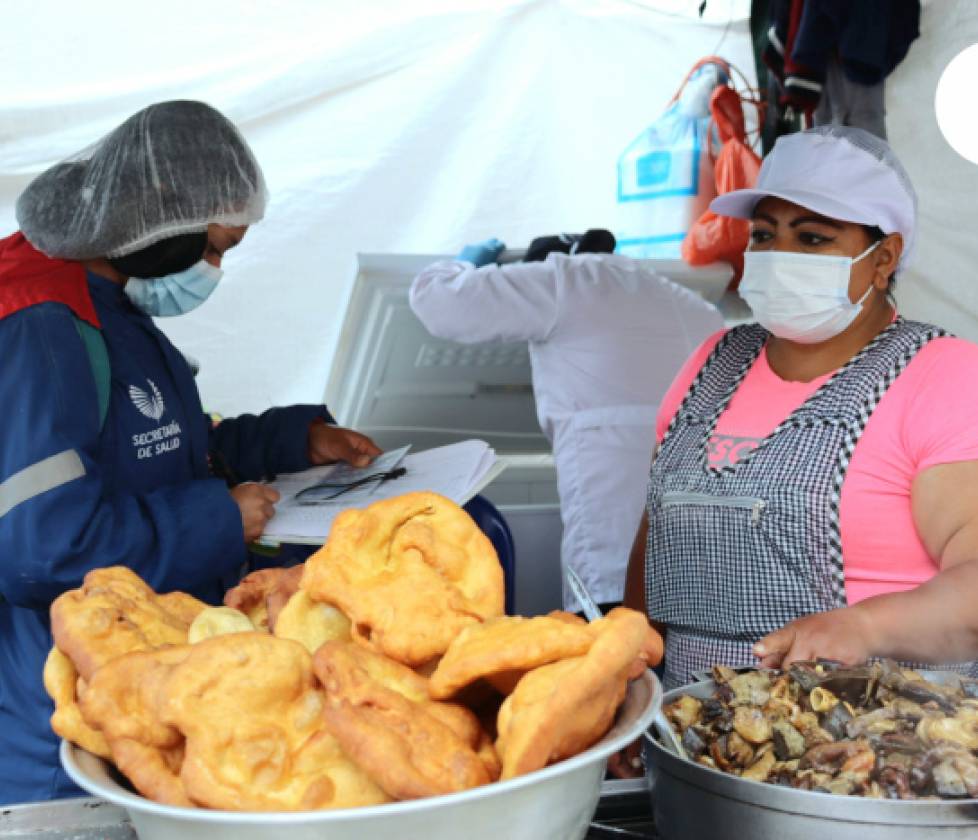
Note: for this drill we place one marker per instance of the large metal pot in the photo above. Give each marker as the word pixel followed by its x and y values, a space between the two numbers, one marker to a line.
pixel 693 801
pixel 551 804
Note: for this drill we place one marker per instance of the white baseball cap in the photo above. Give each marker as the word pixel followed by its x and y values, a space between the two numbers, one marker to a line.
pixel 837 171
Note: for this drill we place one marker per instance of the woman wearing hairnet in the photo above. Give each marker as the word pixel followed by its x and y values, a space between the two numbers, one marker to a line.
pixel 104 447
pixel 815 489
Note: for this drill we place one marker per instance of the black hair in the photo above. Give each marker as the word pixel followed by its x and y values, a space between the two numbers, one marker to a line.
pixel 593 241
pixel 168 256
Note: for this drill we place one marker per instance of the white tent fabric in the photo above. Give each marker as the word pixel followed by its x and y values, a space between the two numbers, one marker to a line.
pixel 416 127
pixel 381 126
pixel 940 285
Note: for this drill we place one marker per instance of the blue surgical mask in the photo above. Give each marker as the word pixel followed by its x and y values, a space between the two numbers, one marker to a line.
pixel 174 294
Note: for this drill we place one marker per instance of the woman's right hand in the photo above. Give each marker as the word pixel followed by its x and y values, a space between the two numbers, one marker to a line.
pixel 256 503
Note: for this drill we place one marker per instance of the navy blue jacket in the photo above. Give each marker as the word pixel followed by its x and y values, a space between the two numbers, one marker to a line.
pixel 136 492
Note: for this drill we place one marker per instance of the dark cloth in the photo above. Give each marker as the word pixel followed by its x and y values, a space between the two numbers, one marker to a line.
pixel 778 118
pixel 605 608
pixel 870 38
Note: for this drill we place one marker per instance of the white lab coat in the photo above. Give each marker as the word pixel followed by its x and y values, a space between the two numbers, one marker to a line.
pixel 606 338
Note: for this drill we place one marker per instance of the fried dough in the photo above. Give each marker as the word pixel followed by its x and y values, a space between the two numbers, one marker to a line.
pixel 122 700
pixel 216 621
pixel 262 594
pixel 411 749
pixel 115 612
pixel 182 605
pixel 410 572
pixel 311 623
pixel 250 709
pixel 503 649
pixel 560 709
pixel 61 684
pixel 281 593
pixel 374 672
pixel 250 596
pixel 349 659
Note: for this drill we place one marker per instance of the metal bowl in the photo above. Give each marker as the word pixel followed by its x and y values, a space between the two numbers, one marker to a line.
pixel 690 800
pixel 555 803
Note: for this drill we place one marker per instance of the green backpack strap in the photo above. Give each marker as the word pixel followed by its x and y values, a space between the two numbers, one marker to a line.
pixel 98 358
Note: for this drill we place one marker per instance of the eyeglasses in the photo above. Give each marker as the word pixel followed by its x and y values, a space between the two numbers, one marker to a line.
pixel 329 490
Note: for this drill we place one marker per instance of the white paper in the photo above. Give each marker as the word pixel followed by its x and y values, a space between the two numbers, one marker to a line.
pixel 458 471
pixel 294 487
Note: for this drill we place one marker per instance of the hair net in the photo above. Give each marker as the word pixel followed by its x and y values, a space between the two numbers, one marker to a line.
pixel 172 168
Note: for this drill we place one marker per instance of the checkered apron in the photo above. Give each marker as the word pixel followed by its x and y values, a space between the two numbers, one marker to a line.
pixel 737 552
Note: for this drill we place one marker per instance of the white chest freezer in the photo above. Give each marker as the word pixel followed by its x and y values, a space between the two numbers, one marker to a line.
pixel 392 380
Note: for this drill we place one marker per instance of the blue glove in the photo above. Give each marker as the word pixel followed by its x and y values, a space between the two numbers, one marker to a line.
pixel 482 253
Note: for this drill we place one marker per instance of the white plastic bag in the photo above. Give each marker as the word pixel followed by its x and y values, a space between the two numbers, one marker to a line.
pixel 665 176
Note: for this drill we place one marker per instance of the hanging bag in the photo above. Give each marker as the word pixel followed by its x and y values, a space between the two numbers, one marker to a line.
pixel 665 175
pixel 714 238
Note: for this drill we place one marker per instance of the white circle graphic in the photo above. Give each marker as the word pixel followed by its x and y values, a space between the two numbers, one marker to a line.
pixel 954 103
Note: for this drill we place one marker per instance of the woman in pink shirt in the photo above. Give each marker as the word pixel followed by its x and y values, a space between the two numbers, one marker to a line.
pixel 815 487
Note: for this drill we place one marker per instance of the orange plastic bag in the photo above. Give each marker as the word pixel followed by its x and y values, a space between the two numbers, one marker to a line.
pixel 714 238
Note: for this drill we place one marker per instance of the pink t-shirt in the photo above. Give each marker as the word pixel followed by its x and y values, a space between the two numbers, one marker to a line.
pixel 928 416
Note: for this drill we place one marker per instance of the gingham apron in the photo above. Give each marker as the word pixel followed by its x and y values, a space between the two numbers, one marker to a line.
pixel 737 552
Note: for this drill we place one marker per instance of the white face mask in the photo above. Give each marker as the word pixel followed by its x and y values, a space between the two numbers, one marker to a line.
pixel 801 297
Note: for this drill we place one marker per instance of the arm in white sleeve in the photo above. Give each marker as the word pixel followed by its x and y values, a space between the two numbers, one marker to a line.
pixel 515 302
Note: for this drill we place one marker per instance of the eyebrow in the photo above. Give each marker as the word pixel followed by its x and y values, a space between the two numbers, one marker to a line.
pixel 820 220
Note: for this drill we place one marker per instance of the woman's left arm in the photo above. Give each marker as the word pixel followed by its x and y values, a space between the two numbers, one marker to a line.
pixel 935 622
pixel 255 447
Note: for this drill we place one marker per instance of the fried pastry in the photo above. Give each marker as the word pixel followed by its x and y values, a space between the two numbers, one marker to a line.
pixel 122 700
pixel 374 672
pixel 349 662
pixel 503 649
pixel 410 572
pixel 311 623
pixel 61 684
pixel 250 596
pixel 411 749
pixel 115 612
pixel 182 605
pixel 286 585
pixel 262 594
pixel 216 621
pixel 560 709
pixel 250 709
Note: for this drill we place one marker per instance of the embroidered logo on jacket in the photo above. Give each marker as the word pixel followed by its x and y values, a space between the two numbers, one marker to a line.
pixel 149 404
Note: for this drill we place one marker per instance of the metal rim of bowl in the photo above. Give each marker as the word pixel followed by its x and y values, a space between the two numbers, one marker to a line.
pixel 716 782
pixel 611 743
